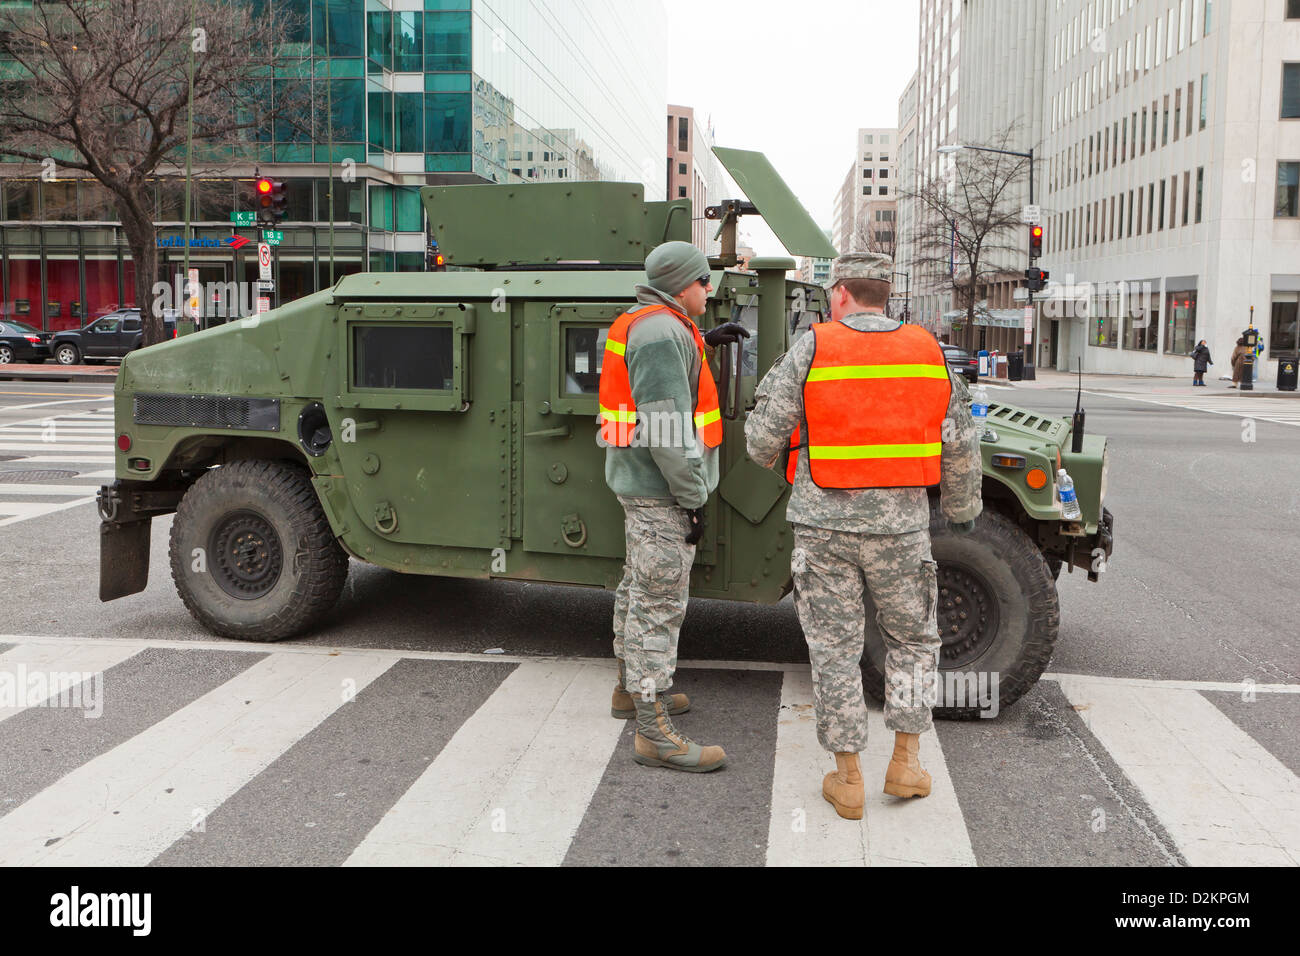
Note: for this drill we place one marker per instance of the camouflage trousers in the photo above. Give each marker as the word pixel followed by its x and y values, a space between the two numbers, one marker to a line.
pixel 830 569
pixel 650 602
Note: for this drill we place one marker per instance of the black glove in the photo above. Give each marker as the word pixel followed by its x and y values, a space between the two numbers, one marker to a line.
pixel 697 524
pixel 728 332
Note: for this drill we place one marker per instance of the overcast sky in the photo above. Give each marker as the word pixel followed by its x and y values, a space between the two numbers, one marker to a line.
pixel 794 80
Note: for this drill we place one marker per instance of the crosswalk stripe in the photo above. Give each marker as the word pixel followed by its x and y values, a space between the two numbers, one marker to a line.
pixel 64 459
pixel 47 658
pixel 20 489
pixel 51 445
pixel 1281 411
pixel 128 805
pixel 805 829
pixel 513 784
pixel 12 512
pixel 1224 799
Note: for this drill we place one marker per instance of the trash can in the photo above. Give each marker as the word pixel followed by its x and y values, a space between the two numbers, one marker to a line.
pixel 1286 374
pixel 1016 366
pixel 1002 365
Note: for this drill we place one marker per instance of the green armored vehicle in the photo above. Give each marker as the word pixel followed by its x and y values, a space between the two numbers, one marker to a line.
pixel 444 423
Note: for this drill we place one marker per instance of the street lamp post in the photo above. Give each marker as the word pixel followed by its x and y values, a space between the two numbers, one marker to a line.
pixel 907 296
pixel 1029 357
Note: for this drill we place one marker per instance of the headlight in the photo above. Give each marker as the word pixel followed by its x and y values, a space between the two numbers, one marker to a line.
pixel 1105 469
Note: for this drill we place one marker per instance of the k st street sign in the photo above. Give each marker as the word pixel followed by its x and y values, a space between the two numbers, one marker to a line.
pixel 243 218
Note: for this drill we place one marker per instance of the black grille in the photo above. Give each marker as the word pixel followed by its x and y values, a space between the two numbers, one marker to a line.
pixel 206 411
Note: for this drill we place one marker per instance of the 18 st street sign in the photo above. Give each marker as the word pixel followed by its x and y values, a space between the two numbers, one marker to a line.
pixel 272 237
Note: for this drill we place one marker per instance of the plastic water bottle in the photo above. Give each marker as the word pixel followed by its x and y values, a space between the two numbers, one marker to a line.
pixel 1069 502
pixel 979 407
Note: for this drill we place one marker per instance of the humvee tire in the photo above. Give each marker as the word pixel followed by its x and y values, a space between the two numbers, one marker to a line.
pixel 1000 580
pixel 252 555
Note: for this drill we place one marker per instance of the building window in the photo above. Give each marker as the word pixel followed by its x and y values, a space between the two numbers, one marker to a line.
pixel 1141 321
pixel 1293 9
pixel 1200 190
pixel 1209 7
pixel 1155 111
pixel 1288 189
pixel 884 190
pixel 866 190
pixel 1191 88
pixel 1180 322
pixel 1151 207
pixel 1291 91
pixel 1130 214
pixel 683 134
pixel 681 169
pixel 1101 323
pixel 681 192
pixel 1205 98
pixel 1164 123
pixel 1187 193
pixel 882 174
pixel 869 139
pixel 1178 112
pixel 1162 206
pixel 1283 334
pixel 884 157
pixel 868 157
pixel 446 42
pixel 1144 131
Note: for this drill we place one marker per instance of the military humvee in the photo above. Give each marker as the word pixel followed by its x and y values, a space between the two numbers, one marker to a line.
pixel 444 423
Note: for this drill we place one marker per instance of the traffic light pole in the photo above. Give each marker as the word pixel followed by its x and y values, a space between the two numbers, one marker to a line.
pixel 1029 373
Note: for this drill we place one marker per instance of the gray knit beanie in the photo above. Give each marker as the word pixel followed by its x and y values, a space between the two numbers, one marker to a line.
pixel 672 266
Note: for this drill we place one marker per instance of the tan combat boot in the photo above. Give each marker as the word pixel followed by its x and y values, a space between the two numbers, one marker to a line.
pixel 843 787
pixel 905 777
pixel 659 744
pixel 623 707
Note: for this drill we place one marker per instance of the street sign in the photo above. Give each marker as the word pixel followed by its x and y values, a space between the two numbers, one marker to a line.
pixel 263 304
pixel 272 237
pixel 1029 325
pixel 1031 215
pixel 263 260
pixel 243 218
pixel 266 285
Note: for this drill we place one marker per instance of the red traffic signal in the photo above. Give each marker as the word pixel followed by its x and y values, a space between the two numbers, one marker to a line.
pixel 1035 241
pixel 270 200
pixel 263 186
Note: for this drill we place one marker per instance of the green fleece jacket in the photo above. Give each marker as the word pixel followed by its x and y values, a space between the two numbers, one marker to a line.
pixel 663 366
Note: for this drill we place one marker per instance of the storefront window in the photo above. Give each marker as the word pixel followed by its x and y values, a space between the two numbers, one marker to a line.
pixel 62 294
pixel 446 42
pixel 1283 339
pixel 101 288
pixel 1102 322
pixel 1180 322
pixel 23 289
pixel 1141 315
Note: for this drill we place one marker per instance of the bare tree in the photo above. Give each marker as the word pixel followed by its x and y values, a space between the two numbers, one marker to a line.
pixel 968 221
pixel 102 87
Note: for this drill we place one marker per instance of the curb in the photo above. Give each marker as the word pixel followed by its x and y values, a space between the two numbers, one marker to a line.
pixel 73 374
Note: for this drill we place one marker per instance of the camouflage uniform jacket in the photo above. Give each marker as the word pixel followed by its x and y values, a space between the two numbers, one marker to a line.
pixel 779 408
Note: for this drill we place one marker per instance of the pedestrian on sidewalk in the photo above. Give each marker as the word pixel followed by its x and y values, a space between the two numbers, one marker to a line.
pixel 1238 358
pixel 1201 359
pixel 881 417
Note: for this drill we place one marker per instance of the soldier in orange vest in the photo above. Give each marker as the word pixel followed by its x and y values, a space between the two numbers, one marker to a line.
pixel 661 427
pixel 879 418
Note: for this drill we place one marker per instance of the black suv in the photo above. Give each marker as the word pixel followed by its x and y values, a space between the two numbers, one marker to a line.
pixel 109 337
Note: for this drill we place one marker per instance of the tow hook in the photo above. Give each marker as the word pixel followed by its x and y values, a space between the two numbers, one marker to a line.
pixel 107 502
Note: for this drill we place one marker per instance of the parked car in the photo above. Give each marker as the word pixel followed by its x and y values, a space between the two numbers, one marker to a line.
pixel 959 360
pixel 20 342
pixel 109 337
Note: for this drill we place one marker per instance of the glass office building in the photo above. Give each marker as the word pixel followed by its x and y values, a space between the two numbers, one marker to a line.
pixel 420 92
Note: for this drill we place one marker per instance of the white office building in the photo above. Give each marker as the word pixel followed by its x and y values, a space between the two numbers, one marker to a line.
pixel 871 178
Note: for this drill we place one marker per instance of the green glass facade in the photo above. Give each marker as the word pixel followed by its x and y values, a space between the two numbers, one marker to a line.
pixel 413 92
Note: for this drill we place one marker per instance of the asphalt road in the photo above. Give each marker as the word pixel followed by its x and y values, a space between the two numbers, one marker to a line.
pixel 1202 587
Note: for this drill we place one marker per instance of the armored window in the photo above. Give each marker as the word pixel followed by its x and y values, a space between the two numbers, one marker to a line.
pixel 402 356
pixel 584 357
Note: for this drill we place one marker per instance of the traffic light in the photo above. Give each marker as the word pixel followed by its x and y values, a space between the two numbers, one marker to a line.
pixel 270 201
pixel 1036 279
pixel 436 261
pixel 1035 242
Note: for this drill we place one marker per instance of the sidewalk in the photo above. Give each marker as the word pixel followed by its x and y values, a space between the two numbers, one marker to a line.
pixel 1153 385
pixel 50 372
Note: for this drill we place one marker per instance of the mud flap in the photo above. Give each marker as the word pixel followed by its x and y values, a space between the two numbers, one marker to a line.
pixel 123 558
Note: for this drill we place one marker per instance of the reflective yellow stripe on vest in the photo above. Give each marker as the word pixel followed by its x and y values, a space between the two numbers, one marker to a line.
pixel 619 416
pixel 708 418
pixel 618 348
pixel 840 452
pixel 836 373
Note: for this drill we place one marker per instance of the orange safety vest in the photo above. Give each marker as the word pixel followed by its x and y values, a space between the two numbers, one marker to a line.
pixel 617 409
pixel 874 404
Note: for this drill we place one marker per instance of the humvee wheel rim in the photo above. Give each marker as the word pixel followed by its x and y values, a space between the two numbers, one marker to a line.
pixel 247 553
pixel 967 615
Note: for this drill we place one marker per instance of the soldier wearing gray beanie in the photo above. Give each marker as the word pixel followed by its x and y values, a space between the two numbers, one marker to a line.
pixel 672 266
